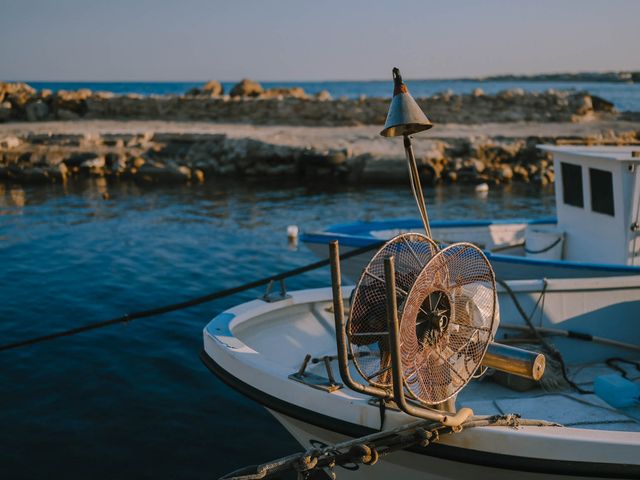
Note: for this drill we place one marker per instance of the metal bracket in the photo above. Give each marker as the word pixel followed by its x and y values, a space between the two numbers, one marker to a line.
pixel 270 297
pixel 328 384
pixel 388 404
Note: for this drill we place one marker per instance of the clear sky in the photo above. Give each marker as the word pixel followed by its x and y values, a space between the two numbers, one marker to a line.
pixel 145 40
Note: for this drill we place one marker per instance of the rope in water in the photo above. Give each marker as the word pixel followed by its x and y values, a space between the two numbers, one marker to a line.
pixel 129 317
pixel 369 449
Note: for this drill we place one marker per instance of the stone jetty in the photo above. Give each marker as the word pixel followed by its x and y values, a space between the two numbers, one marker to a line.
pixel 205 135
pixel 157 151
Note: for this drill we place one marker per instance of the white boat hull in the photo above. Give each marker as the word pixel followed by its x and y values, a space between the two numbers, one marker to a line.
pixel 409 465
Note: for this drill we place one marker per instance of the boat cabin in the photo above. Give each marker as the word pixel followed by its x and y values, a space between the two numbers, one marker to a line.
pixel 598 202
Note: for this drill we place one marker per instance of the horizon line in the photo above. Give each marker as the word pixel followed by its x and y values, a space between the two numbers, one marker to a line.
pixel 468 78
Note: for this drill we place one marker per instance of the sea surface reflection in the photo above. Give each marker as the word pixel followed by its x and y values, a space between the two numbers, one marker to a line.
pixel 134 401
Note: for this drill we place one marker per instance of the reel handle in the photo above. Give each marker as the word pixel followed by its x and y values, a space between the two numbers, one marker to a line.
pixel 516 361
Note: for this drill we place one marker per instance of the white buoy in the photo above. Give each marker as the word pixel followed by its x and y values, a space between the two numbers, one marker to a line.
pixel 292 234
pixel 482 188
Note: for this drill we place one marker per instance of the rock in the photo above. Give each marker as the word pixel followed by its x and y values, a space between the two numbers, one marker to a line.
pixel 138 162
pixel 71 101
pixel 551 176
pixel 601 105
pixel 323 96
pixel 247 88
pixel 115 161
pixel 58 173
pixel 101 95
pixel 477 165
pixel 295 92
pixel 452 176
pixel 37 111
pixel 67 115
pixel 93 166
pixel 10 142
pixel 505 173
pixel 17 93
pixel 521 173
pixel 199 175
pixel 580 103
pixel 93 163
pixel 477 92
pixel 213 88
pixel 45 94
pixel 5 111
pixel 158 174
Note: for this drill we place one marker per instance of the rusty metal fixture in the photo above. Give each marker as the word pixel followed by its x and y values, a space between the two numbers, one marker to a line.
pixel 341 336
pixel 406 118
pixel 449 419
pixel 447 322
pixel 366 327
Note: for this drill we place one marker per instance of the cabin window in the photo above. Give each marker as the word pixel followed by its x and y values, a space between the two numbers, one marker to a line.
pixel 601 191
pixel 572 184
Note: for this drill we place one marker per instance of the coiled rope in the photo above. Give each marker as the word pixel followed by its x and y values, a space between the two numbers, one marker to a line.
pixel 129 317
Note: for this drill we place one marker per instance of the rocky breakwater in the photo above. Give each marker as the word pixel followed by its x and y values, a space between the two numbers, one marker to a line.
pixel 248 102
pixel 160 157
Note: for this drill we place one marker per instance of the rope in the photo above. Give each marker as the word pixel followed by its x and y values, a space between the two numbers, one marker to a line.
pixel 545 249
pixel 555 354
pixel 369 449
pixel 129 317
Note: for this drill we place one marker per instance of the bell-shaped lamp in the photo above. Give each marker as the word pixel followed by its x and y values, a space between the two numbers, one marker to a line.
pixel 405 117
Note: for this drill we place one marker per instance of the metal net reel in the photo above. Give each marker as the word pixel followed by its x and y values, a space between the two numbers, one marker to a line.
pixel 446 323
pixel 366 327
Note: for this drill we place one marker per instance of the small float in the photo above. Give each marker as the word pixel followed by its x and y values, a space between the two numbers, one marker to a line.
pixel 412 374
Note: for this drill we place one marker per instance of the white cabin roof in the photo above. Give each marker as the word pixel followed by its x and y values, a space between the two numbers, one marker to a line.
pixel 617 153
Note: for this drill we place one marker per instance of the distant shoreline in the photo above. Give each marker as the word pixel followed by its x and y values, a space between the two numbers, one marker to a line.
pixel 614 76
pixel 604 77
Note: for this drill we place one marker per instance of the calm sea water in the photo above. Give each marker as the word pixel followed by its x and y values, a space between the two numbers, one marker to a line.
pixel 134 401
pixel 626 97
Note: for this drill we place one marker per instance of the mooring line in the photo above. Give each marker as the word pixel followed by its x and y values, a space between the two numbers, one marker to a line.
pixel 129 317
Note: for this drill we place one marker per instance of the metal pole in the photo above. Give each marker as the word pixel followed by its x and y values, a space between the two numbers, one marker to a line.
pixel 414 177
pixel 341 335
pixel 452 419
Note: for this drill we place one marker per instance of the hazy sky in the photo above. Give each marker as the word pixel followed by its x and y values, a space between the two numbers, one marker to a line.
pixel 312 40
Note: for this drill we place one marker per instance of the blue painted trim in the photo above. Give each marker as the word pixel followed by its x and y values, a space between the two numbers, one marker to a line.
pixel 605 267
pixel 220 325
pixel 363 228
pixel 357 234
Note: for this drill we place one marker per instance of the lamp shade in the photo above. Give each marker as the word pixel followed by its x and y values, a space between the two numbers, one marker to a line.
pixel 405 117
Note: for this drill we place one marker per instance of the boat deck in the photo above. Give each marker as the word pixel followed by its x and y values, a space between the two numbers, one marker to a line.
pixel 565 406
pixel 562 405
